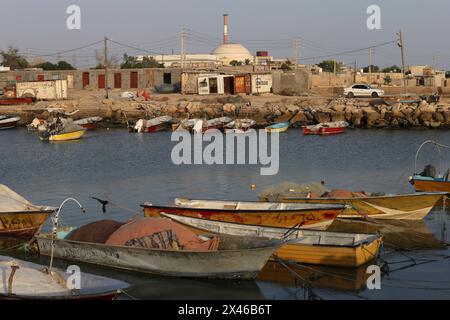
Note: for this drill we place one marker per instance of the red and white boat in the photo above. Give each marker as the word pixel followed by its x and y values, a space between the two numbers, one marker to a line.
pixel 153 125
pixel 8 122
pixel 89 123
pixel 326 128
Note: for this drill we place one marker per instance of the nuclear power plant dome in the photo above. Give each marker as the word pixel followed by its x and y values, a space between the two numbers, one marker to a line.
pixel 228 52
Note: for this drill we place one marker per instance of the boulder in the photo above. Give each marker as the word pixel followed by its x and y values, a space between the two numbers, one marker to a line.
pixel 229 108
pixel 322 116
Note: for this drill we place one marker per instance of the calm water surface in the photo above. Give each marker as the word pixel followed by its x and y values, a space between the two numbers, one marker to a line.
pixel 129 169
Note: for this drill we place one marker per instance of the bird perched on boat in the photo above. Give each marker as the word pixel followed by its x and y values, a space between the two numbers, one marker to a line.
pixel 102 202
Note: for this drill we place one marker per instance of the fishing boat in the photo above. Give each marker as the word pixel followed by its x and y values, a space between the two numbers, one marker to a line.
pixel 8 122
pixel 415 206
pixel 62 130
pixel 89 123
pixel 14 100
pixel 327 128
pixel 19 217
pixel 162 246
pixel 23 280
pixel 239 126
pixel 216 123
pixel 153 125
pixel 278 127
pixel 311 216
pixel 302 246
pixel 428 180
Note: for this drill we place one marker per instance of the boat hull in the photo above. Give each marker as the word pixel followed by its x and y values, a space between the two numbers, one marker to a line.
pixel 311 219
pixel 323 131
pixel 159 127
pixel 222 264
pixel 399 207
pixel 14 101
pixel 431 185
pixel 67 136
pixel 279 127
pixel 344 253
pixel 24 224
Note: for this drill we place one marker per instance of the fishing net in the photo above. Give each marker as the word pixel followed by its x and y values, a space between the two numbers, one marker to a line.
pixel 292 189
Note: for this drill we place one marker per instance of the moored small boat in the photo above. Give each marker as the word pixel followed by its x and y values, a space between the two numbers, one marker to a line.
pixel 62 130
pixel 414 206
pixel 8 122
pixel 327 128
pixel 19 217
pixel 302 246
pixel 153 125
pixel 239 126
pixel 63 136
pixel 89 123
pixel 278 127
pixel 14 100
pixel 23 280
pixel 311 216
pixel 161 246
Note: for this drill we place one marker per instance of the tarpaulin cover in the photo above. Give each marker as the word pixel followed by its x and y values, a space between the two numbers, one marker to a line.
pixel 96 232
pixel 13 202
pixel 160 233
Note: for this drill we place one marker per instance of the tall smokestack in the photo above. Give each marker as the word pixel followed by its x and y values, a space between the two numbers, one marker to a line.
pixel 225 28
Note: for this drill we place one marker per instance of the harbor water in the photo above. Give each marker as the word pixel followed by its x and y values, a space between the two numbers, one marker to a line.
pixel 130 169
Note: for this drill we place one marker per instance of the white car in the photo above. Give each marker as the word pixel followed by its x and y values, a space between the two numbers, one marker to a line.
pixel 362 90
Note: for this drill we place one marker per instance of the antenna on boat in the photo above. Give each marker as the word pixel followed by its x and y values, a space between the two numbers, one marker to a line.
pixel 55 221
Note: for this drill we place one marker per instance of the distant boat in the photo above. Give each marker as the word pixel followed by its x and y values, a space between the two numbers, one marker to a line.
pixel 14 101
pixel 278 127
pixel 8 122
pixel 302 246
pixel 23 280
pixel 327 128
pixel 153 125
pixel 271 214
pixel 19 217
pixel 239 126
pixel 89 123
pixel 63 130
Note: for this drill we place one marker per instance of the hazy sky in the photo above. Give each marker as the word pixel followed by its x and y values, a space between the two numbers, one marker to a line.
pixel 325 27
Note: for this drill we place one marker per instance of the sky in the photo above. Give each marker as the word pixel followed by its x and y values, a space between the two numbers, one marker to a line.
pixel 325 27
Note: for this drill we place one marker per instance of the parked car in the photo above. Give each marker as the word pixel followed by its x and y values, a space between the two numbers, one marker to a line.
pixel 362 90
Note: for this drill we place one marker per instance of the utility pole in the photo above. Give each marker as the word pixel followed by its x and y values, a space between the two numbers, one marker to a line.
pixel 296 45
pixel 106 67
pixel 334 67
pixel 354 74
pixel 182 46
pixel 402 51
pixel 435 57
pixel 370 65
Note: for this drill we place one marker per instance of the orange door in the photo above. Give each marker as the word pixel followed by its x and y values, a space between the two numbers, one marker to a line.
pixel 101 81
pixel 117 80
pixel 85 79
pixel 239 84
pixel 133 79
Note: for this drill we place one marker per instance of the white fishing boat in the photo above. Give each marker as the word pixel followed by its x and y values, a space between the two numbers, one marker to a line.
pixel 8 122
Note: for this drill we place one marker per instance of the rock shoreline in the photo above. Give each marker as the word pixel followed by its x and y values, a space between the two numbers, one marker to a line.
pixel 358 113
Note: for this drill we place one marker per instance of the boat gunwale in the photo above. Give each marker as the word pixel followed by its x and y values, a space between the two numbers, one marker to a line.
pixel 316 207
pixel 279 243
pixel 441 193
pixel 48 211
pixel 369 237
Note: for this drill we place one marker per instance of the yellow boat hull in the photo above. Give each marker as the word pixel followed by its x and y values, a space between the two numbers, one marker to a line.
pixel 404 207
pixel 284 129
pixel 350 257
pixel 75 135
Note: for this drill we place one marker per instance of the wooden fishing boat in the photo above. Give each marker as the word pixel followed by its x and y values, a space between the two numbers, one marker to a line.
pixel 327 128
pixel 303 246
pixel 19 217
pixel 429 180
pixel 312 216
pixel 63 136
pixel 14 100
pixel 23 280
pixel 278 127
pixel 89 123
pixel 239 126
pixel 216 123
pixel 171 250
pixel 413 206
pixel 9 122
pixel 153 125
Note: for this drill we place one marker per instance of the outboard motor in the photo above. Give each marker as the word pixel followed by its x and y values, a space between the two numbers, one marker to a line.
pixel 428 171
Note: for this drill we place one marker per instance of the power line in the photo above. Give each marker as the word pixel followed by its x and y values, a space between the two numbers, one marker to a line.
pixel 66 51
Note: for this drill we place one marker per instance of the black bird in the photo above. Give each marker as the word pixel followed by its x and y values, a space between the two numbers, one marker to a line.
pixel 103 203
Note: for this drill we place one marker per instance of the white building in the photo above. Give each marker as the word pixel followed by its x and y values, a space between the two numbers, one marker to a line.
pixel 191 60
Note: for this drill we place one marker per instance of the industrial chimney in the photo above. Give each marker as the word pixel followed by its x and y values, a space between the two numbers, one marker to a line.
pixel 225 28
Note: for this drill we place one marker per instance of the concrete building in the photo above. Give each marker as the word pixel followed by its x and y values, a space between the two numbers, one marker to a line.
pixel 191 60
